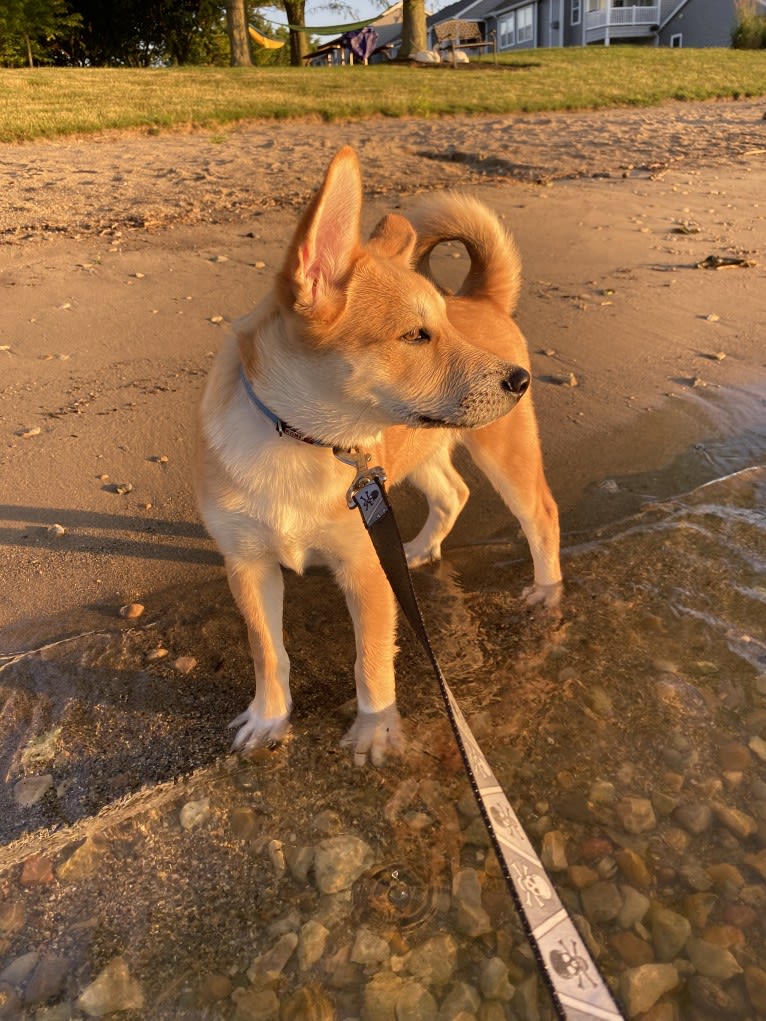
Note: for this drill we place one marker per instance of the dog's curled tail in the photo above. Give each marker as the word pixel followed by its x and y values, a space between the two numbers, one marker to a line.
pixel 495 271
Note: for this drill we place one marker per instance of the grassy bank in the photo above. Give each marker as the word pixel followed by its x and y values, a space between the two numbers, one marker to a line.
pixel 46 102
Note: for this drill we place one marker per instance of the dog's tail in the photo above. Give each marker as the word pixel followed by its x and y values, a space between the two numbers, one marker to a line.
pixel 495 271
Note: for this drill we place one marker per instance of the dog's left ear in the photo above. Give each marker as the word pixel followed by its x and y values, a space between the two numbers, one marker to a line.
pixel 393 238
pixel 326 242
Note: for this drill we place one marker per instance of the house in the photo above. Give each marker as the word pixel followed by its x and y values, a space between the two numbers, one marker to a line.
pixel 525 24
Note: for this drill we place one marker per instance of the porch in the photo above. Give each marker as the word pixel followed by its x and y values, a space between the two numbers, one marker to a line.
pixel 606 20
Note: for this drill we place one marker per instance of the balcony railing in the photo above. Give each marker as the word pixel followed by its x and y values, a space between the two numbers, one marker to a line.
pixel 623 17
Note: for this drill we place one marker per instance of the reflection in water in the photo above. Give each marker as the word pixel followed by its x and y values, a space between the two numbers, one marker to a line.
pixel 147 871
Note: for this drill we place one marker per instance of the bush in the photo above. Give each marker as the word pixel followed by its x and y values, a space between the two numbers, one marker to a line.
pixel 749 32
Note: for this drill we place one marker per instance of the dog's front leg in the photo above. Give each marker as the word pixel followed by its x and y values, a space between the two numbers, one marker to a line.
pixel 258 589
pixel 371 603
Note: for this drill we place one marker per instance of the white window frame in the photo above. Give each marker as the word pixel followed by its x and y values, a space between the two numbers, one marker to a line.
pixel 575 14
pixel 506 31
pixel 525 33
pixel 677 40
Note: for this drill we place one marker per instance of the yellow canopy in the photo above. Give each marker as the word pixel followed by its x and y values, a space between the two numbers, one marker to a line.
pixel 262 40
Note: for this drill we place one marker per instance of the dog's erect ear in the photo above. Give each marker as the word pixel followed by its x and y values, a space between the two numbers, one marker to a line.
pixel 393 238
pixel 326 241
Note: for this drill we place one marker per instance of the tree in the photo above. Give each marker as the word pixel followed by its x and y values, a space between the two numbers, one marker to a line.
pixel 29 29
pixel 414 34
pixel 299 45
pixel 236 25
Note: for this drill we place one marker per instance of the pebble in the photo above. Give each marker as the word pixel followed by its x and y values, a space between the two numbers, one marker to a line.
pixel 434 961
pixel 670 932
pixel 462 998
pixel 31 789
pixel 185 664
pixel 312 941
pixel 194 813
pixel 739 823
pixel 712 961
pixel 633 867
pixel 631 948
pixel 213 988
pixel 268 967
pixel 56 531
pixel 380 996
pixel 369 948
pixel 641 987
pixel 131 611
pixel 695 817
pixel 47 980
pixel 415 1003
pixel 114 989
pixel 633 909
pixel 155 654
pixel 340 861
pixel 636 815
pixel 755 984
pixel 255 1005
pixel 601 902
pixel 554 856
pixel 470 916
pixel 494 982
pixel 757 745
pixel 37 871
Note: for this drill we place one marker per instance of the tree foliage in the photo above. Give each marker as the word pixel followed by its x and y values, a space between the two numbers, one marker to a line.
pixel 130 33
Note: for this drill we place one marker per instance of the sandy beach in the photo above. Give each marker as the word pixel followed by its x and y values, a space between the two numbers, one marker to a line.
pixel 146 870
pixel 124 257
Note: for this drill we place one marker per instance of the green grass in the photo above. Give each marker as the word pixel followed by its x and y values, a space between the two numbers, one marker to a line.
pixel 46 102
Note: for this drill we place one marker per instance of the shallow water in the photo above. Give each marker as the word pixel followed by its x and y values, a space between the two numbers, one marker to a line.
pixel 629 734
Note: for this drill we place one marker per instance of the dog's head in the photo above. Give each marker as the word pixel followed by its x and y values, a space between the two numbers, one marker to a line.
pixel 371 337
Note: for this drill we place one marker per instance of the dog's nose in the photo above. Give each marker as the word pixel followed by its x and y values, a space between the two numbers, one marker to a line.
pixel 517 381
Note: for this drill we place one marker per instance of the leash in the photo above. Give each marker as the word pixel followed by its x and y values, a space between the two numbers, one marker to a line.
pixel 577 989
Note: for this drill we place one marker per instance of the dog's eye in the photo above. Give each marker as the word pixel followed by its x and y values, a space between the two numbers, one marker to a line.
pixel 416 336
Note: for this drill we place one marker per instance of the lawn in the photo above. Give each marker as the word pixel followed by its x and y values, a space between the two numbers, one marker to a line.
pixel 45 102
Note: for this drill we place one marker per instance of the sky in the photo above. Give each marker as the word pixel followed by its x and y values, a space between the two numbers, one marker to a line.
pixel 318 14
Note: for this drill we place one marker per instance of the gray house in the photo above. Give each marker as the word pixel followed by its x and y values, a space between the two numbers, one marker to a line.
pixel 525 24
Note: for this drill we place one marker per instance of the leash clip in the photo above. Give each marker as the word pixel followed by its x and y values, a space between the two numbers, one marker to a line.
pixel 365 477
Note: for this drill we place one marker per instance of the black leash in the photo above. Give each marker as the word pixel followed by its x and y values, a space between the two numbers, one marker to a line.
pixel 577 989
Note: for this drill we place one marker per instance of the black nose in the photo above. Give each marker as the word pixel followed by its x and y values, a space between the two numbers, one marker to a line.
pixel 517 381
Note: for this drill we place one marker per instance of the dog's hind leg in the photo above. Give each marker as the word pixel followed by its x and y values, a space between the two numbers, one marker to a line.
pixel 511 459
pixel 446 492
pixel 258 589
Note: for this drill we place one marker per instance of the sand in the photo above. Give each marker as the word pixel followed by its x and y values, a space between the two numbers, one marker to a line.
pixel 123 257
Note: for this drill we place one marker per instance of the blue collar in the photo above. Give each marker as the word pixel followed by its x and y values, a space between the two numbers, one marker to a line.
pixel 282 427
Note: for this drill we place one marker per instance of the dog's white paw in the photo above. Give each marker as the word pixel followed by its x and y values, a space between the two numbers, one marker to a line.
pixel 419 553
pixel 374 735
pixel 547 595
pixel 253 731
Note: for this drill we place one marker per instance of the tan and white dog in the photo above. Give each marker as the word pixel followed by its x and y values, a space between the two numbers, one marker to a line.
pixel 356 349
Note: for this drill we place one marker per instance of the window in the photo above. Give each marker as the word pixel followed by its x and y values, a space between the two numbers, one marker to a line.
pixel 524 32
pixel 576 12
pixel 506 31
pixel 676 41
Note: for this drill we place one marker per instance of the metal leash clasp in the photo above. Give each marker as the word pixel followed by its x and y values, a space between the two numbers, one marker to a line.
pixel 365 476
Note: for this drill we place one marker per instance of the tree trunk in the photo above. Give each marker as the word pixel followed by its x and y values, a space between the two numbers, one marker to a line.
pixel 414 34
pixel 236 25
pixel 299 43
pixel 28 41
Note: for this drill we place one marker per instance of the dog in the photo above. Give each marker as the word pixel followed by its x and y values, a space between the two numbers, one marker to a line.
pixel 356 348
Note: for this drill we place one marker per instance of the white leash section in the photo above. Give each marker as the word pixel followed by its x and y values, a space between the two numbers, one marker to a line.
pixel 578 990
